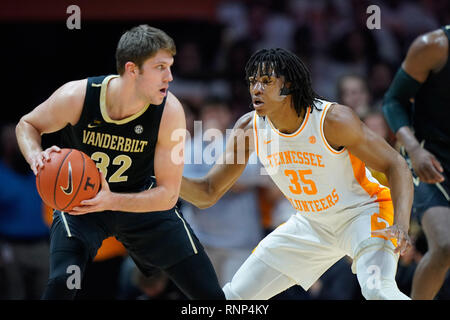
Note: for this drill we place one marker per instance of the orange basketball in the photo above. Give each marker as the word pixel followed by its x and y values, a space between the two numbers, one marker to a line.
pixel 68 178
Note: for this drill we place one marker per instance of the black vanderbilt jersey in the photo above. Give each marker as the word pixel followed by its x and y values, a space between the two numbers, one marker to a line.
pixel 432 113
pixel 123 149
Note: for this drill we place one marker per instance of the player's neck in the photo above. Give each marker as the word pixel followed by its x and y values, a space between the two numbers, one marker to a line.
pixel 122 100
pixel 286 120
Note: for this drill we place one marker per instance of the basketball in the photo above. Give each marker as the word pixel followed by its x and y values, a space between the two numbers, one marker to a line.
pixel 67 179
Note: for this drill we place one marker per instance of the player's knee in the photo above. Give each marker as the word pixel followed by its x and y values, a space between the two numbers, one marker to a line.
pixel 442 253
pixel 230 294
pixel 385 289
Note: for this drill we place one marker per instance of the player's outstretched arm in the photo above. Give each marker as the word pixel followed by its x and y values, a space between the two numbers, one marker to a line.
pixel 62 107
pixel 206 191
pixel 343 128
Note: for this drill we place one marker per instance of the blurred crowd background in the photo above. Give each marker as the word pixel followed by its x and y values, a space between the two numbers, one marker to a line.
pixel 350 64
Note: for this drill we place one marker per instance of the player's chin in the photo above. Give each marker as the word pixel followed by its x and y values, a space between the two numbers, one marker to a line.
pixel 159 97
pixel 260 110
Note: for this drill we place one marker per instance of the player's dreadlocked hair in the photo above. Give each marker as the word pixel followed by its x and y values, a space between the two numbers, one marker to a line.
pixel 284 63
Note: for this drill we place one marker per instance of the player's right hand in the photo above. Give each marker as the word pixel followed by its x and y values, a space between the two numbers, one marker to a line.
pixel 38 161
pixel 426 166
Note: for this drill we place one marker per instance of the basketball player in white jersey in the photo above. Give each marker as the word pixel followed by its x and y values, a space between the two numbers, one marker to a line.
pixel 315 151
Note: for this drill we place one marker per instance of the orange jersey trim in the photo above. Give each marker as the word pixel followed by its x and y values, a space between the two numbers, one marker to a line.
pixel 256 133
pixel 305 120
pixel 322 134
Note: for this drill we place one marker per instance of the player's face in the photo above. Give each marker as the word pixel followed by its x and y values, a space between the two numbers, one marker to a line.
pixel 265 93
pixel 154 77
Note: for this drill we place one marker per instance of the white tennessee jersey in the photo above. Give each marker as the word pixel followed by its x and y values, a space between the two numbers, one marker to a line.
pixel 313 176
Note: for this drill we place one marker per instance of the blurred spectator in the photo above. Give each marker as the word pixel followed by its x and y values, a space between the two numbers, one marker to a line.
pixel 193 81
pixel 233 15
pixel 377 123
pixel 191 114
pixel 351 53
pixel 24 247
pixel 408 18
pixel 278 28
pixel 380 77
pixel 231 65
pixel 303 44
pixel 228 235
pixel 353 91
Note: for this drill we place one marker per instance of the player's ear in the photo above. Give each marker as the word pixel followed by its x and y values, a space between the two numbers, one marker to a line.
pixel 131 68
pixel 285 90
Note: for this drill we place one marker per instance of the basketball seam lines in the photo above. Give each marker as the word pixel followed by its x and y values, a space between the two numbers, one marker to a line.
pixel 56 180
pixel 79 186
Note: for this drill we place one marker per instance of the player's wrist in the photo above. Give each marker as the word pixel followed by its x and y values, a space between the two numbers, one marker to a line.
pixel 114 201
pixel 402 226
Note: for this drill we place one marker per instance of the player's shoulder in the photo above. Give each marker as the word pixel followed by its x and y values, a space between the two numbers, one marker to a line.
pixel 342 126
pixel 173 107
pixel 71 94
pixel 172 101
pixel 340 117
pixel 433 44
pixel 74 88
pixel 245 121
pixel 173 116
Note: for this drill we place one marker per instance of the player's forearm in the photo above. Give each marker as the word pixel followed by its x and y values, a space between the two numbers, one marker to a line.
pixel 407 139
pixel 156 199
pixel 396 102
pixel 402 191
pixel 197 191
pixel 29 139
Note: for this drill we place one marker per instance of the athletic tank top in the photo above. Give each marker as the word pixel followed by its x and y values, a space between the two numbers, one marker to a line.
pixel 432 112
pixel 313 176
pixel 123 149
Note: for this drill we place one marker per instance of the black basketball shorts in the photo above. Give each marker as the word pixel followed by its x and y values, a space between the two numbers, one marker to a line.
pixel 154 239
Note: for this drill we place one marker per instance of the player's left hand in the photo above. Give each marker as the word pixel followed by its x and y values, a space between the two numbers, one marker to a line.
pixel 101 202
pixel 398 233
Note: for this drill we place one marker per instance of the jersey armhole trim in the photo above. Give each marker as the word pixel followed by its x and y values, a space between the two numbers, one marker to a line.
pixel 255 132
pixel 322 133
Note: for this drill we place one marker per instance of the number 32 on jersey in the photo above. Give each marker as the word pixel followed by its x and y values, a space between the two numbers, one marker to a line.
pixel 103 161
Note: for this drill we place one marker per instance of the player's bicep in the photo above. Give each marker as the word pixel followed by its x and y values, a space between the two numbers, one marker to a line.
pixel 62 107
pixel 373 150
pixel 169 151
pixel 168 168
pixel 344 128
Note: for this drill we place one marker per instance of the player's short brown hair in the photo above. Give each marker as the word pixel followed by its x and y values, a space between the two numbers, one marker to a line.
pixel 140 43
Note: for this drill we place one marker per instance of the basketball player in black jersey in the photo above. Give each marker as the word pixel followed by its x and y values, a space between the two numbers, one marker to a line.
pixel 423 130
pixel 126 124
